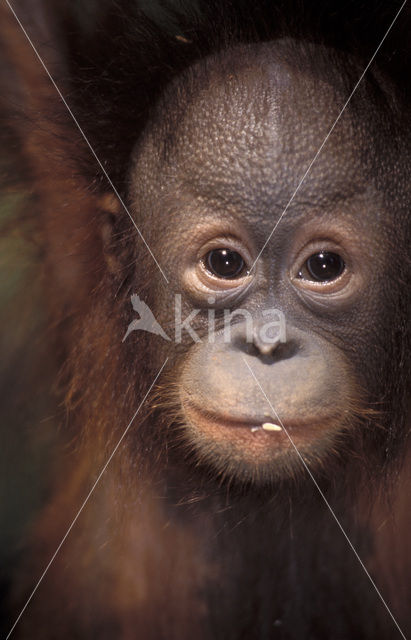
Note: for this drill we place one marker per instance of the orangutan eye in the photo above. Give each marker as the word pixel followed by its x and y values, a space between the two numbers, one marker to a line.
pixel 322 267
pixel 225 263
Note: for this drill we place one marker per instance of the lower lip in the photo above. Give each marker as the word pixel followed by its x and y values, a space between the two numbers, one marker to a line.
pixel 220 422
pixel 248 431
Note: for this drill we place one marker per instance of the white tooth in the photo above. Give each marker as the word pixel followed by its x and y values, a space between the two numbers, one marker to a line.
pixel 269 426
pixel 254 429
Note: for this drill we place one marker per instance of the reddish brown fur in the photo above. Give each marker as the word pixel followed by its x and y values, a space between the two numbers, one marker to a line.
pixel 132 566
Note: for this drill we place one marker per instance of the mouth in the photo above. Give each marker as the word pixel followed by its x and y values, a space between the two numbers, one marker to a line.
pixel 258 446
pixel 265 431
pixel 206 420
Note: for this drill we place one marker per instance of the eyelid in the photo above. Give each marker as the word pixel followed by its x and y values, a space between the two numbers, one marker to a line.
pixel 227 283
pixel 225 242
pixel 337 288
pixel 325 245
pixel 200 282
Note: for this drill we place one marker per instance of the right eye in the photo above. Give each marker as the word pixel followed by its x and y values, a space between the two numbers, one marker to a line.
pixel 324 266
pixel 225 263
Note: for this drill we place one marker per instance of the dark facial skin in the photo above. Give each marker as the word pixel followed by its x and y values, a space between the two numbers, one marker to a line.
pixel 233 158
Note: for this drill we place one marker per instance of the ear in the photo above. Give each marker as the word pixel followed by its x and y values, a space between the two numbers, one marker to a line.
pixel 110 212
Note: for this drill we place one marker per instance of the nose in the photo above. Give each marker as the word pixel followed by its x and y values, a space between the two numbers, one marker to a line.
pixel 262 336
pixel 265 344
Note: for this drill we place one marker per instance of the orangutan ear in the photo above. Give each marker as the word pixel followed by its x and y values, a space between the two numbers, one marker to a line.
pixel 110 211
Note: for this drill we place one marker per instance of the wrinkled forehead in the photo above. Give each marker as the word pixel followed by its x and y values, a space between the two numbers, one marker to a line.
pixel 246 126
pixel 257 116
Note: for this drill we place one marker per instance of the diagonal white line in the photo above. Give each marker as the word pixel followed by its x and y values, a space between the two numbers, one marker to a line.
pixel 86 139
pixel 327 136
pixel 325 500
pixel 85 501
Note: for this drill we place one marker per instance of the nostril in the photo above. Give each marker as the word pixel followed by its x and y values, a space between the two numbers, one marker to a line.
pixel 266 341
pixel 282 351
pixel 249 349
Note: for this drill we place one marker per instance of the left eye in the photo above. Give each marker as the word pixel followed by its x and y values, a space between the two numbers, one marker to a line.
pixel 322 267
pixel 225 263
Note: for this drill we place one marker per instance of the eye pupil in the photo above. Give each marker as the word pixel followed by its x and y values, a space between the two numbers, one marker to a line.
pixel 225 263
pixel 325 266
